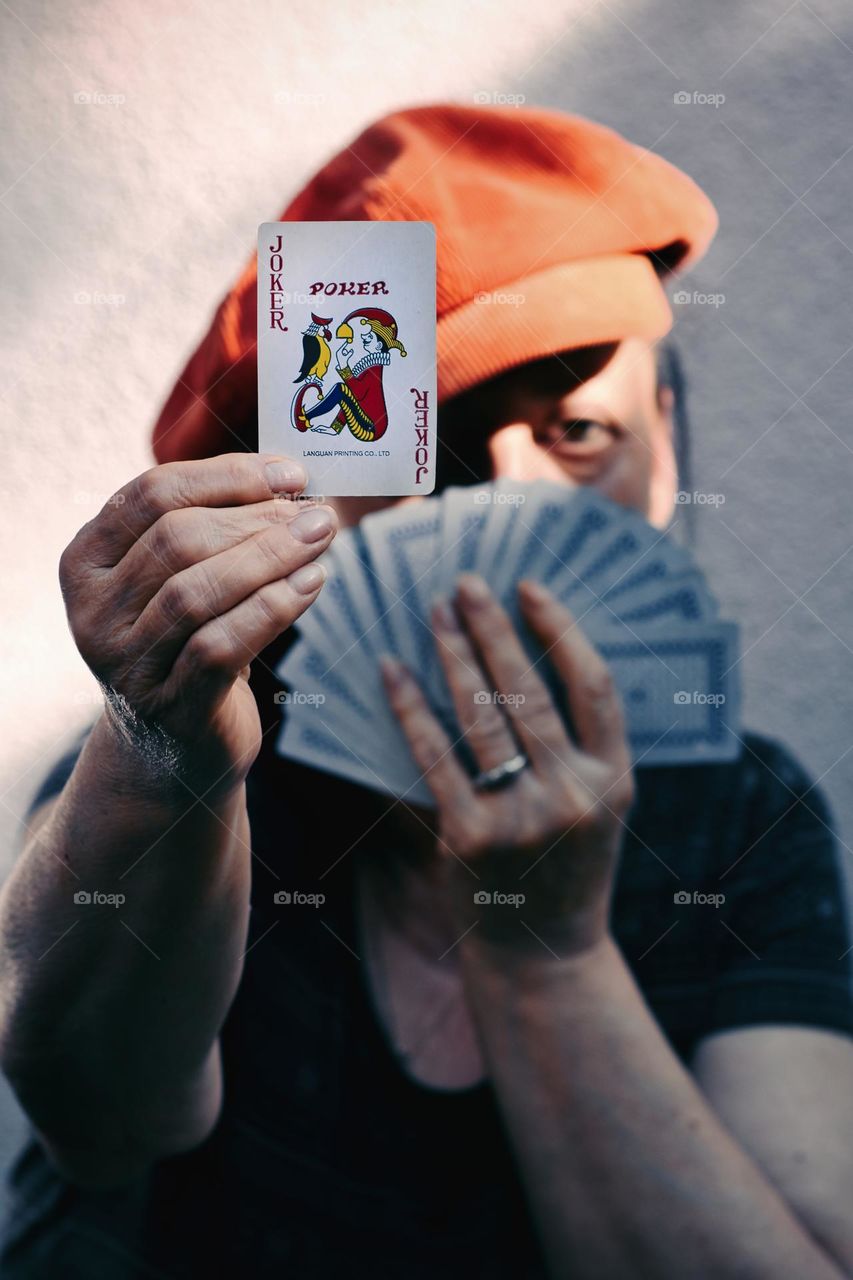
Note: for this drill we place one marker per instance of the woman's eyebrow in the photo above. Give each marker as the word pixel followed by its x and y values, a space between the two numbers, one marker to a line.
pixel 575 406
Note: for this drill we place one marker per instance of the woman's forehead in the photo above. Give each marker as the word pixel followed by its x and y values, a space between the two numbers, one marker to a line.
pixel 559 375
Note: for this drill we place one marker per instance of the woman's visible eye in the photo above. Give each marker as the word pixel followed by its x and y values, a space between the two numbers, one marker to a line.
pixel 584 434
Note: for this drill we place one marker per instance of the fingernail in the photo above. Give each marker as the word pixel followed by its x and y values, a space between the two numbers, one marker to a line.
pixel 285 474
pixel 393 672
pixel 312 525
pixel 308 578
pixel 535 591
pixel 444 615
pixel 471 589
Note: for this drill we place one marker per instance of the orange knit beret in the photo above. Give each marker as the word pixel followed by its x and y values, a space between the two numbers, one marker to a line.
pixel 552 233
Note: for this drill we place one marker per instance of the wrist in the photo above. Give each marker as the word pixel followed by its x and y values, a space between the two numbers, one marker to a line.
pixel 558 907
pixel 138 764
pixel 531 943
pixel 535 968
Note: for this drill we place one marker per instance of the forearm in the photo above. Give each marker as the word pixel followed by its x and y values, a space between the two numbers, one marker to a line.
pixel 110 1014
pixel 628 1171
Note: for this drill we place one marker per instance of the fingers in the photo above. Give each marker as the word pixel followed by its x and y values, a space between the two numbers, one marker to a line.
pixel 486 728
pixel 191 599
pixel 182 538
pixel 593 698
pixel 231 479
pixel 430 746
pixel 216 653
pixel 526 700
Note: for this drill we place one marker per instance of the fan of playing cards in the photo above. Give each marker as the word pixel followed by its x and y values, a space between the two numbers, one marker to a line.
pixel 636 594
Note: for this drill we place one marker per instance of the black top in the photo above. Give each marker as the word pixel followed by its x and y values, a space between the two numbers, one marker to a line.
pixel 327 1160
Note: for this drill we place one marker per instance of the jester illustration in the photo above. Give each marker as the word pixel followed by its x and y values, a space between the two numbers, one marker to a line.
pixel 358 397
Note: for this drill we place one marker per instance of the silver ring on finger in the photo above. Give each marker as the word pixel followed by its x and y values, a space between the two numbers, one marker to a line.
pixel 502 774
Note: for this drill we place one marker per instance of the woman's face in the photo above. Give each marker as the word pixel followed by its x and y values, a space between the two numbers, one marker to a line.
pixel 595 417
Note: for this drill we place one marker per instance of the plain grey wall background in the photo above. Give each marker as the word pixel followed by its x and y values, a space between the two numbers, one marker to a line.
pixel 143 147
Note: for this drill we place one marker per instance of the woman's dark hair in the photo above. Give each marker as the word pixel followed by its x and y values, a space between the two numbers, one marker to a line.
pixel 671 374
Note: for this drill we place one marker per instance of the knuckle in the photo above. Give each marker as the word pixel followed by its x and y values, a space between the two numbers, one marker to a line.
pixel 209 648
pixel 622 793
pixel 597 686
pixel 424 747
pixel 537 704
pixel 487 731
pixel 238 469
pixel 470 838
pixel 275 547
pixel 148 493
pixel 170 538
pixel 583 811
pixel 408 701
pixel 180 601
pixel 69 564
pixel 270 605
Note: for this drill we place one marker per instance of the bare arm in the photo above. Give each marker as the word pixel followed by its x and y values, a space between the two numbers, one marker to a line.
pixel 110 1014
pixel 629 1171
pixel 110 1010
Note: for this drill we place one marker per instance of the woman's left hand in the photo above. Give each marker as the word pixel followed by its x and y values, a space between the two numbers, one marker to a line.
pixel 553 833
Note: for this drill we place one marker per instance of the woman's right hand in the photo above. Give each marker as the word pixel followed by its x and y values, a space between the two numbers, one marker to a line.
pixel 185 575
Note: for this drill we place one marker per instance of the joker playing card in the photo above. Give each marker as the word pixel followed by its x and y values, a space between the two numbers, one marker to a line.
pixel 347 354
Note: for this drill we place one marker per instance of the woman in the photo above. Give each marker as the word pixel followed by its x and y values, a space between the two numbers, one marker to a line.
pixel 385 1085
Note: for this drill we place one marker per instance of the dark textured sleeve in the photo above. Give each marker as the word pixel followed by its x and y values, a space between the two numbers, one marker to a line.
pixel 783 949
